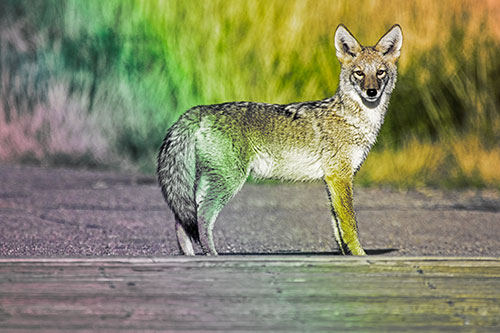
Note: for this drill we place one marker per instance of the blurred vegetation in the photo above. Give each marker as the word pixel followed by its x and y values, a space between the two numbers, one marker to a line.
pixel 97 83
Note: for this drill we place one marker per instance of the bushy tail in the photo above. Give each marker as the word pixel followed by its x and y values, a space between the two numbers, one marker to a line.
pixel 177 172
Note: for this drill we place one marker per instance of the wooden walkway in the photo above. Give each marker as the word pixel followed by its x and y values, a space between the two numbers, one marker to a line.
pixel 256 293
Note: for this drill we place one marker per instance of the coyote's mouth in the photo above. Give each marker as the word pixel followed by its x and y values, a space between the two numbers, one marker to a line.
pixel 371 99
pixel 371 102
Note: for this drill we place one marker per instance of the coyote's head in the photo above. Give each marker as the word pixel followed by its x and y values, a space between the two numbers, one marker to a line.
pixel 368 71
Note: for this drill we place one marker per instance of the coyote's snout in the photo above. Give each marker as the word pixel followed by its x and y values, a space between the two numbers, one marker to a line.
pixel 211 150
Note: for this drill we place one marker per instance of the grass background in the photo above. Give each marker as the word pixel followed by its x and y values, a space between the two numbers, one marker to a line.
pixel 97 83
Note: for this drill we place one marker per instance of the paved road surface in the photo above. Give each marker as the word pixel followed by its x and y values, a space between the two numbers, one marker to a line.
pixel 61 212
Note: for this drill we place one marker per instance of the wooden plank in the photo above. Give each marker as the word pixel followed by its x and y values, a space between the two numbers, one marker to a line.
pixel 261 293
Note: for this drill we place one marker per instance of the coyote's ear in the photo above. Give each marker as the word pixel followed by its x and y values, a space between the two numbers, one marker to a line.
pixel 390 43
pixel 347 46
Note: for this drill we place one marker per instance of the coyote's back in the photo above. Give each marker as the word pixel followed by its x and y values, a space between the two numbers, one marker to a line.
pixel 211 150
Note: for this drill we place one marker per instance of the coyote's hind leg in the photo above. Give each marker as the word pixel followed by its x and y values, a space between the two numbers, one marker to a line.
pixel 212 195
pixel 183 240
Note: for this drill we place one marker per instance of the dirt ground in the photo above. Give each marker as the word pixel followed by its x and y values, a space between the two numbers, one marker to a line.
pixel 64 212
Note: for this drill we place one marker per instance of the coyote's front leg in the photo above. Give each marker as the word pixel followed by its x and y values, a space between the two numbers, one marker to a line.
pixel 344 222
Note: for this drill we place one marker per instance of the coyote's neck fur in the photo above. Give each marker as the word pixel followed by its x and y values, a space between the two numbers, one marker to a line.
pixel 368 119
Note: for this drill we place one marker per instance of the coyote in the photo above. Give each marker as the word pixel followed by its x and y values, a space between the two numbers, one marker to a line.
pixel 208 154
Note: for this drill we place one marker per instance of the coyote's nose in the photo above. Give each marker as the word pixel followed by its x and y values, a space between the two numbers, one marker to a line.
pixel 371 92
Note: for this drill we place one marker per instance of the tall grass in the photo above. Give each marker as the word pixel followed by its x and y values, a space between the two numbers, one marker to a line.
pixel 99 82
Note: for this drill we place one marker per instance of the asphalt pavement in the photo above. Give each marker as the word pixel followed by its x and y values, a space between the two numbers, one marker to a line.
pixel 51 212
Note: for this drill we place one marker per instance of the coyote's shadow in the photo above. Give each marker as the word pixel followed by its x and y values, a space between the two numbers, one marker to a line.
pixel 299 253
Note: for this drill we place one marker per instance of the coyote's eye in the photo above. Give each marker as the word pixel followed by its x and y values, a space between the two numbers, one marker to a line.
pixel 359 74
pixel 380 73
